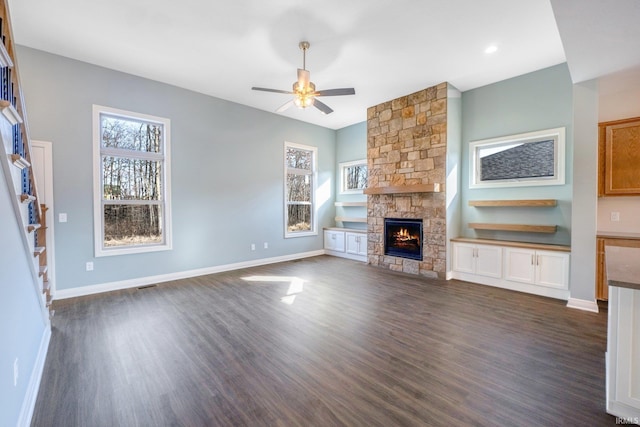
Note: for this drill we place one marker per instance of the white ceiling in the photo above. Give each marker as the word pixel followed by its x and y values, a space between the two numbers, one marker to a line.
pixel 382 48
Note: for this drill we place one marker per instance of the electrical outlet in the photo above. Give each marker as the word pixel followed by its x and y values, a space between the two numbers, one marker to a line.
pixel 89 266
pixel 253 246
pixel 16 371
pixel 266 245
pixel 615 216
pixel 62 217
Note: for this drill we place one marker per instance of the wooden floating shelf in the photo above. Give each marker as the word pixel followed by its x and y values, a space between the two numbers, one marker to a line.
pixel 38 250
pixel 351 204
pixel 401 189
pixel 527 228
pixel 350 219
pixel 514 203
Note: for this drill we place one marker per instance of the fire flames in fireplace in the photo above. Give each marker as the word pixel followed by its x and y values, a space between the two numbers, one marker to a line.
pixel 403 236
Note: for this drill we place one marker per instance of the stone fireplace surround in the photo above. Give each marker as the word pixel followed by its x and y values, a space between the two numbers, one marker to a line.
pixel 406 149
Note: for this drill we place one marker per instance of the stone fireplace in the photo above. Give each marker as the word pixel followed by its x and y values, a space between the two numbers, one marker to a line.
pixel 406 159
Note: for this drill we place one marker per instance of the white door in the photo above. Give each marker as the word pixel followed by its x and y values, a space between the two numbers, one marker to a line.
pixel 42 161
pixel 489 261
pixel 362 244
pixel 463 257
pixel 552 269
pixel 520 265
pixel 334 240
pixel 353 240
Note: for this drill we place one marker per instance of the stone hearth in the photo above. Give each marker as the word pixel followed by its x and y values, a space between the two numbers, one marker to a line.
pixel 406 145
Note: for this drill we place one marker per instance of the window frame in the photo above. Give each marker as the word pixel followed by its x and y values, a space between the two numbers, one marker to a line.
pixel 98 194
pixel 314 186
pixel 343 183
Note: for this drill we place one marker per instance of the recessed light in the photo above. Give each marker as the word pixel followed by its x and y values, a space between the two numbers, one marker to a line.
pixel 491 49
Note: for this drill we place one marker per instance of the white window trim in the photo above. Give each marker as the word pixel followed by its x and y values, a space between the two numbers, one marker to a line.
pixel 314 179
pixel 98 217
pixel 343 166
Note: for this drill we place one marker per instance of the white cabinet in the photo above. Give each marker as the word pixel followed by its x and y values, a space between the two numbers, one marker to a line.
pixel 346 243
pixel 356 243
pixel 623 354
pixel 544 268
pixel 334 240
pixel 526 267
pixel 483 260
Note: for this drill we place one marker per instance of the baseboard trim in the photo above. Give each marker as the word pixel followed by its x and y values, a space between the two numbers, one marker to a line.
pixel 582 304
pixel 29 402
pixel 150 280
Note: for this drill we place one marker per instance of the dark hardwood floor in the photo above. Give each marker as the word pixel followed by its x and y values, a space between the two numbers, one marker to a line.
pixel 354 345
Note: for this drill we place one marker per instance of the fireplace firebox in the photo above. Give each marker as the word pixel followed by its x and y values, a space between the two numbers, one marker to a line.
pixel 403 238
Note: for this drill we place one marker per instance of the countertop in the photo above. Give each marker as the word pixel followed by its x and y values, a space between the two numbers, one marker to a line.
pixel 618 235
pixel 623 267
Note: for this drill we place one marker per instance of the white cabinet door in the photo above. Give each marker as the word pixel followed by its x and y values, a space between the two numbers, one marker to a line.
pixel 353 240
pixel 362 244
pixel 356 243
pixel 334 240
pixel 483 260
pixel 552 269
pixel 464 257
pixel 489 261
pixel 520 265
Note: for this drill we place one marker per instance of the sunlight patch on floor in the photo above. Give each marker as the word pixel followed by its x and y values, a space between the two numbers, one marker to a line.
pixel 296 285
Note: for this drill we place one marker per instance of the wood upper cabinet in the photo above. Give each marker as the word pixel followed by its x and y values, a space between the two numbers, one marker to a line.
pixel 619 158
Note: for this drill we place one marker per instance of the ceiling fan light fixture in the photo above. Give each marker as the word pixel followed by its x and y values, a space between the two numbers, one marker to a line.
pixel 304 91
pixel 303 101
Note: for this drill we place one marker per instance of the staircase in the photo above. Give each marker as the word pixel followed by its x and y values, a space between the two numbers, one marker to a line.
pixel 16 164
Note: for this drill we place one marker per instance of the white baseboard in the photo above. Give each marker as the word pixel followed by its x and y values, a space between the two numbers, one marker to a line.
pixel 361 258
pixel 150 280
pixel 582 304
pixel 29 402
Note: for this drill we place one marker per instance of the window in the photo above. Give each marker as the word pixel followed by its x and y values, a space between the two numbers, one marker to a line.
pixel 299 190
pixel 353 176
pixel 131 177
pixel 528 159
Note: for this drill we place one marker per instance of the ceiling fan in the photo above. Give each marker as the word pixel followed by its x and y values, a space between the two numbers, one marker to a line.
pixel 304 91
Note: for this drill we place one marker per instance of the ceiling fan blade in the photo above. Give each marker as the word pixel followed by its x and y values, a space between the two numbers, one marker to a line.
pixel 303 78
pixel 336 92
pixel 322 106
pixel 264 89
pixel 285 106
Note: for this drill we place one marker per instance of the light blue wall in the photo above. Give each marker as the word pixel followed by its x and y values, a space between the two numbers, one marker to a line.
pixel 22 326
pixel 585 192
pixel 453 169
pixel 351 144
pixel 531 102
pixel 227 170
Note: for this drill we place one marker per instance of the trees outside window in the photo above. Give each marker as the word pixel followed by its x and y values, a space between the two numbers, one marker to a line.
pixel 131 182
pixel 353 176
pixel 300 188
